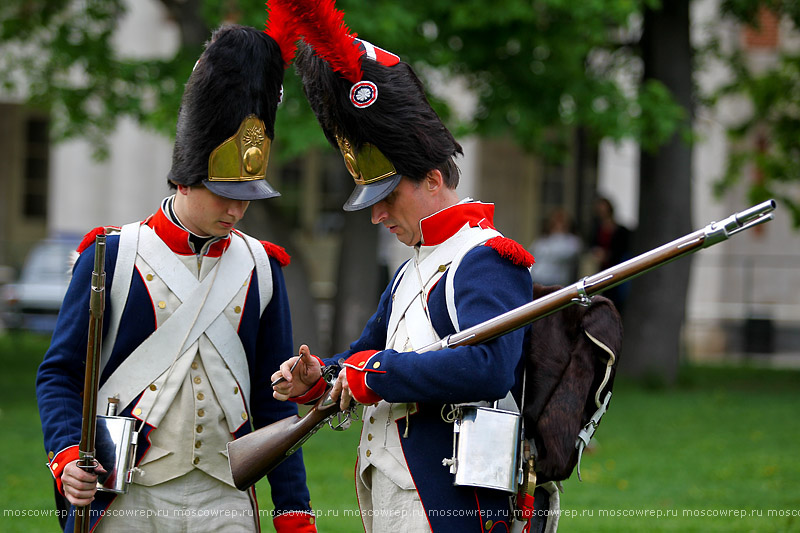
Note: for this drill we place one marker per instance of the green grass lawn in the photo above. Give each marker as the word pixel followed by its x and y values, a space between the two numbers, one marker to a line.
pixel 716 453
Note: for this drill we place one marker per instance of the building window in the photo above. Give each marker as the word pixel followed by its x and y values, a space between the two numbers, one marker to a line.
pixel 35 175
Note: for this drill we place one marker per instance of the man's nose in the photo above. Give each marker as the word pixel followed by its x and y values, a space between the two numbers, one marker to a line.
pixel 379 213
pixel 237 208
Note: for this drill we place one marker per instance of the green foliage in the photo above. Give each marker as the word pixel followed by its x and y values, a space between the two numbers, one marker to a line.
pixel 765 140
pixel 537 69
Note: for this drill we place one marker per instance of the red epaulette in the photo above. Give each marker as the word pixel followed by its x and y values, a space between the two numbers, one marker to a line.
pixel 88 239
pixel 277 252
pixel 511 250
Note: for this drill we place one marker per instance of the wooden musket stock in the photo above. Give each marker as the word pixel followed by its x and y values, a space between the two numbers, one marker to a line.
pixel 97 303
pixel 256 454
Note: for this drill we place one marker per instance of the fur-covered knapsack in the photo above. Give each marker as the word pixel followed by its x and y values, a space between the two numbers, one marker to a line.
pixel 571 364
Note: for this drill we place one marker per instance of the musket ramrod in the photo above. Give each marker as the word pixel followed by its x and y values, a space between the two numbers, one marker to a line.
pixel 256 454
pixel 97 304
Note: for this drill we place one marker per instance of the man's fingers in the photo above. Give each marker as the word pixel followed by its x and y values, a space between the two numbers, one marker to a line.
pixel 284 373
pixel 341 390
pixel 336 391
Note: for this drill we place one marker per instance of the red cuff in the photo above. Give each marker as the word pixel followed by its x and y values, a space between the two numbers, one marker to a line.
pixel 295 522
pixel 357 370
pixel 314 392
pixel 57 464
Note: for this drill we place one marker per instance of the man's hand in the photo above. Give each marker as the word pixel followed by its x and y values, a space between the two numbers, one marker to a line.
pixel 80 485
pixel 341 390
pixel 298 380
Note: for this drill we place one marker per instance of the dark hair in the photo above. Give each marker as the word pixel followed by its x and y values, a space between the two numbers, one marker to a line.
pixel 239 73
pixel 401 122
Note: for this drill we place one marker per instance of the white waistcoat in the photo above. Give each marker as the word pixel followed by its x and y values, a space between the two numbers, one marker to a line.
pixel 193 368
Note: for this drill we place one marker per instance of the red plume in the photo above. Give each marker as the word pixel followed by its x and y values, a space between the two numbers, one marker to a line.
pixel 323 27
pixel 283 28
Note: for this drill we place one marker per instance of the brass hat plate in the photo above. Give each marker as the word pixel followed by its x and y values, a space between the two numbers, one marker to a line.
pixel 368 165
pixel 242 157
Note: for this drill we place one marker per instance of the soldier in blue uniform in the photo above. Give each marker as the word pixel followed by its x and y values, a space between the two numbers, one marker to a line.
pixel 463 272
pixel 197 318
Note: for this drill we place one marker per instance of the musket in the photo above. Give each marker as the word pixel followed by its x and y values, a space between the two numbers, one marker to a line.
pixel 97 304
pixel 256 454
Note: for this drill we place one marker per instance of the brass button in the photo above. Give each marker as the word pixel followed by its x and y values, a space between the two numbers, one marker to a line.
pixel 237 309
pixel 197 380
pixel 196 460
pixel 369 452
pixel 488 525
pixel 372 420
pixel 198 443
pixel 162 304
pixel 442 268
pixel 201 412
pixel 244 415
pixel 199 428
pixel 369 436
pixel 200 396
pixel 51 455
pixel 55 466
pixel 137 411
pixel 311 520
pixel 376 364
pixel 149 277
pixel 194 365
pixel 153 386
pixel 361 363
pixel 236 390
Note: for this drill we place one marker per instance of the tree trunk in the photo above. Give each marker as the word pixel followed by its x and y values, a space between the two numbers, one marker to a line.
pixel 264 222
pixel 357 290
pixel 187 14
pixel 656 307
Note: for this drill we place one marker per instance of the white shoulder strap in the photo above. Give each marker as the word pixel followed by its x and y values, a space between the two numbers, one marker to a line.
pixel 449 289
pixel 200 312
pixel 263 270
pixel 120 285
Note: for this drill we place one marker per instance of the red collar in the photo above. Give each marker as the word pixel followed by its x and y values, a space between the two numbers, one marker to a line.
pixel 177 238
pixel 443 224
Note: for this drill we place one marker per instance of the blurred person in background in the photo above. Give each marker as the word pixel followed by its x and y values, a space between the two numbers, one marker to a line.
pixel 609 243
pixel 557 251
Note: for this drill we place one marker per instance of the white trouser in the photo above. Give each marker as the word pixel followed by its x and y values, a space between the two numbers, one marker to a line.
pixel 192 502
pixel 386 508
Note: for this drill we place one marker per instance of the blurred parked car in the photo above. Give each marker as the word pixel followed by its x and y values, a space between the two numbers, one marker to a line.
pixel 32 303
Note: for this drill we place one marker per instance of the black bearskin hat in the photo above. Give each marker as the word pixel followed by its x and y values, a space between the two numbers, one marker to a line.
pixel 373 108
pixel 230 102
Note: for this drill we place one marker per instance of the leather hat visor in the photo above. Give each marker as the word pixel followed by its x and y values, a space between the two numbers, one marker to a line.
pixel 372 193
pixel 242 190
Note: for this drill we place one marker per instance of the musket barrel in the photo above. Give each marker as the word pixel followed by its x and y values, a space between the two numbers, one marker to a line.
pixel 757 211
pixel 86 451
pixel 579 292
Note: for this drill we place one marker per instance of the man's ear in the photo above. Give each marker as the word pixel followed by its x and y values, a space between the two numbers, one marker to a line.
pixel 183 189
pixel 434 180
